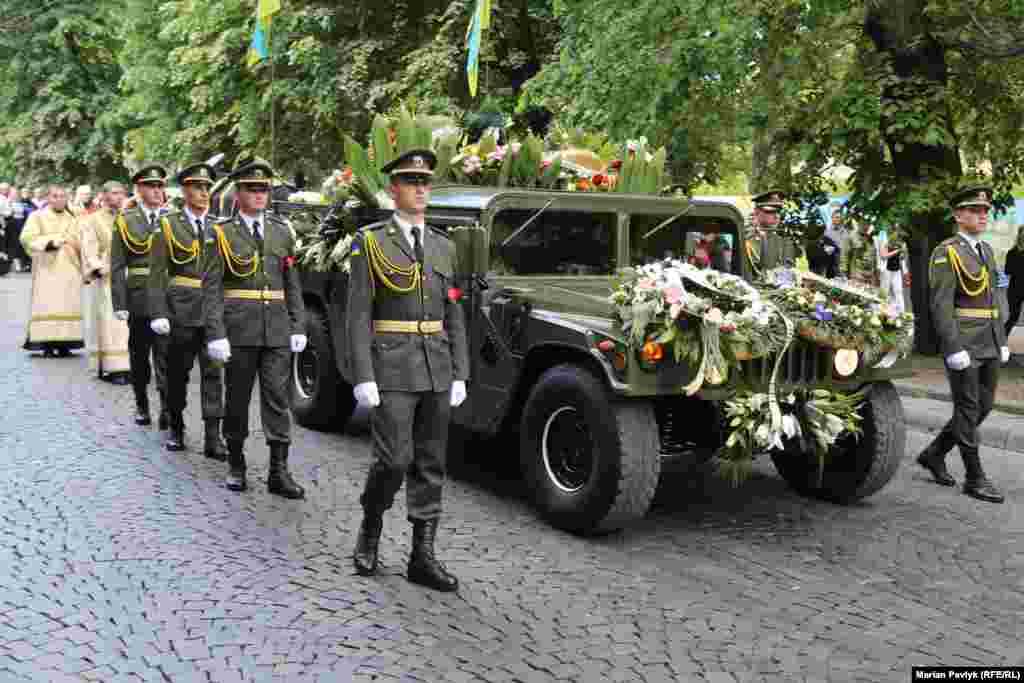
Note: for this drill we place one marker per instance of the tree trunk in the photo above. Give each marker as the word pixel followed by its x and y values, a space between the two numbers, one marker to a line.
pixel 901 34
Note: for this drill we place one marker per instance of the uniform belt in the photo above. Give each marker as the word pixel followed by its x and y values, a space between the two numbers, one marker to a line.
pixel 138 270
pixel 183 281
pixel 409 326
pixel 983 313
pixel 257 294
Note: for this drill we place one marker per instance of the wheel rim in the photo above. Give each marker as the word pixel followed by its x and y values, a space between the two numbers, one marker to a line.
pixel 567 450
pixel 305 373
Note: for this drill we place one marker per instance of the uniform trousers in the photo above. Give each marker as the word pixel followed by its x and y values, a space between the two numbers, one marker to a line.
pixel 410 442
pixel 184 344
pixel 141 341
pixel 974 391
pixel 273 364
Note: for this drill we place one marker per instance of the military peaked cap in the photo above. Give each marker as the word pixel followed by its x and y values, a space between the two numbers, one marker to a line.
pixel 153 173
pixel 257 171
pixel 197 173
pixel 979 195
pixel 413 162
pixel 770 201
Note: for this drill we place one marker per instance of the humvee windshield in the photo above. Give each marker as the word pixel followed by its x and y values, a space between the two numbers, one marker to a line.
pixel 556 243
pixel 703 242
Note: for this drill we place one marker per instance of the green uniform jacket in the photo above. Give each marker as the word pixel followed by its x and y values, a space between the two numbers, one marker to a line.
pixel 252 321
pixel 129 263
pixel 981 338
pixel 179 303
pixel 860 260
pixel 403 361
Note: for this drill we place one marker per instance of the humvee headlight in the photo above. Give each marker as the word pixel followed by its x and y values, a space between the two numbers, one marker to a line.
pixel 652 352
pixel 845 362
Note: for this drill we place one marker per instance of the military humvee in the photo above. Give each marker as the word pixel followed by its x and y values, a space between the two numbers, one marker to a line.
pixel 593 424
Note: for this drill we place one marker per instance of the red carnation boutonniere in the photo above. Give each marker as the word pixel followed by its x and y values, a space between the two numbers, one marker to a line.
pixel 454 294
pixel 287 263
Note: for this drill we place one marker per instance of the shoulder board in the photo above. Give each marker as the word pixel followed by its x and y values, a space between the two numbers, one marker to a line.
pixel 223 220
pixel 275 218
pixel 375 226
pixel 442 232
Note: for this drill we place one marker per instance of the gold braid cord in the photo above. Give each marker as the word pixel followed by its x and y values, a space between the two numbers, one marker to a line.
pixel 137 247
pixel 753 258
pixel 979 281
pixel 383 268
pixel 191 252
pixel 252 263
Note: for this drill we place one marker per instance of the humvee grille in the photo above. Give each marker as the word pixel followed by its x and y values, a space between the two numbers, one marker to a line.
pixel 804 363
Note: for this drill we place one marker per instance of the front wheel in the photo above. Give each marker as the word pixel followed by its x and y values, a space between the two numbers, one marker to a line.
pixel 320 398
pixel 855 467
pixel 591 462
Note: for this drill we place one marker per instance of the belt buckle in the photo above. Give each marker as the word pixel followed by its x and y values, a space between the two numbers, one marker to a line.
pixel 419 327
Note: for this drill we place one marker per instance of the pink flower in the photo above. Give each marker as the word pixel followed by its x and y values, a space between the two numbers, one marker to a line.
pixel 714 316
pixel 645 284
pixel 673 294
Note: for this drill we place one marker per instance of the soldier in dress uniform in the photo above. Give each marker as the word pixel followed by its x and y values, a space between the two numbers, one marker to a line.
pixel 764 249
pixel 409 362
pixel 968 311
pixel 130 247
pixel 181 250
pixel 255 319
pixel 859 262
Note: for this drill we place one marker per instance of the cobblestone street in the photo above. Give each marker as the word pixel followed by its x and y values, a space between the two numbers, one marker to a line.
pixel 123 562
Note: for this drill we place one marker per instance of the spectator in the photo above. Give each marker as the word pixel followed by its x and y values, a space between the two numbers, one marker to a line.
pixel 860 258
pixel 895 271
pixel 21 207
pixel 1015 269
pixel 80 205
pixel 39 198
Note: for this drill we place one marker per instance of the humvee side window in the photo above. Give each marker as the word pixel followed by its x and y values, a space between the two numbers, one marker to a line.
pixel 556 243
pixel 704 242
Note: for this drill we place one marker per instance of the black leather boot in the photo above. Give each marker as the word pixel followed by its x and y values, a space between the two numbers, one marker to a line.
pixel 365 555
pixel 976 484
pixel 142 407
pixel 176 439
pixel 236 467
pixel 933 459
pixel 164 421
pixel 279 479
pixel 213 445
pixel 424 568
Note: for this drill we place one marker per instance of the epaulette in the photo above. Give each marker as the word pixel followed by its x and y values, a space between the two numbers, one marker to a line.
pixel 275 218
pixel 375 226
pixel 221 220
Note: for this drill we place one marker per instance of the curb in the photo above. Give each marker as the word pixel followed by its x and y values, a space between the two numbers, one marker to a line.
pixel 929 415
pixel 1011 408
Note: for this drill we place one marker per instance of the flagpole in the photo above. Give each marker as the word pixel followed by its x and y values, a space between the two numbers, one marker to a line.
pixel 270 53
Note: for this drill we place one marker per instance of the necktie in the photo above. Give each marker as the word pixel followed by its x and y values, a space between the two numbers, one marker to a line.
pixel 152 219
pixel 981 254
pixel 256 231
pixel 417 245
pixel 199 227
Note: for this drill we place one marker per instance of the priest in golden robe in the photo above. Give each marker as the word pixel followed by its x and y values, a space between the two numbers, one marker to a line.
pixel 106 337
pixel 51 237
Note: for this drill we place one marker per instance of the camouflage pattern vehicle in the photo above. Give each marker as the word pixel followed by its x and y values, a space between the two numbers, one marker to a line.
pixel 550 366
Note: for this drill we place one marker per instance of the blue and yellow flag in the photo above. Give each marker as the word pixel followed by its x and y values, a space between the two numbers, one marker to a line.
pixel 480 21
pixel 259 48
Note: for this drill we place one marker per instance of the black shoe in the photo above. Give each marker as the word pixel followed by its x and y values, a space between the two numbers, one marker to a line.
pixel 367 544
pixel 236 468
pixel 142 408
pixel 176 440
pixel 423 567
pixel 118 378
pixel 164 421
pixel 937 469
pixel 214 447
pixel 279 479
pixel 983 489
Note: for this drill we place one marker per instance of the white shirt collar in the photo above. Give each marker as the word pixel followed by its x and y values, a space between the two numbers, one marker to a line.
pixel 250 220
pixel 406 227
pixel 970 239
pixel 192 218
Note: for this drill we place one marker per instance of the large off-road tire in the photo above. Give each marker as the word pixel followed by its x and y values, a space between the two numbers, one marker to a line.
pixel 320 398
pixel 591 462
pixel 856 468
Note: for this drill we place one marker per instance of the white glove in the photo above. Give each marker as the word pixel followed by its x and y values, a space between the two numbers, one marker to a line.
pixel 219 350
pixel 366 394
pixel 161 326
pixel 1005 351
pixel 121 315
pixel 959 360
pixel 458 393
pixel 298 343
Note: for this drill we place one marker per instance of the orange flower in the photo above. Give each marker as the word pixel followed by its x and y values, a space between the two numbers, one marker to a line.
pixel 583 185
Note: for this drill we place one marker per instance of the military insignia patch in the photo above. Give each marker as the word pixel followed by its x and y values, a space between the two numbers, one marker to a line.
pixel 939 261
